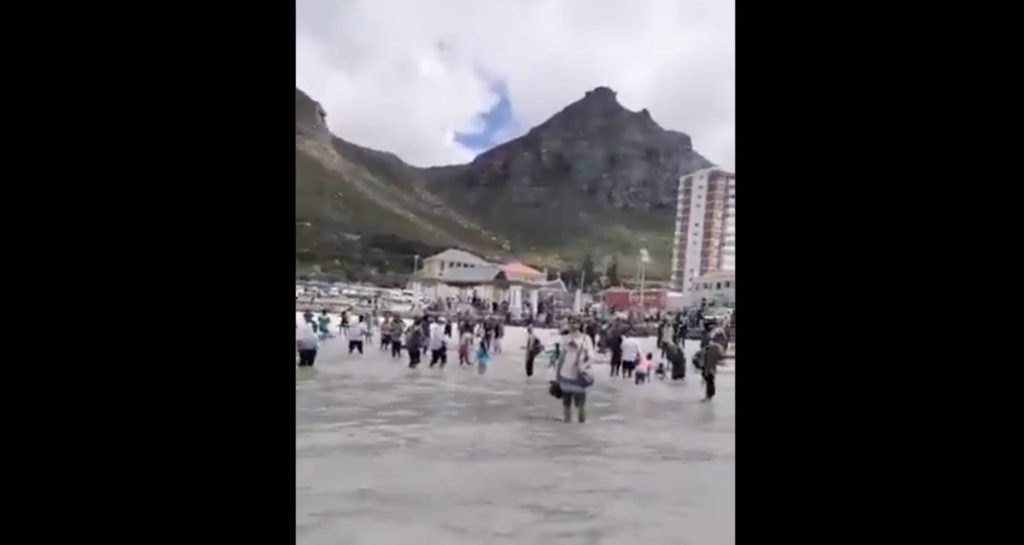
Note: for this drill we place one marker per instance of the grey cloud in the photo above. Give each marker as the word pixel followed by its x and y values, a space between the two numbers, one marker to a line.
pixel 378 70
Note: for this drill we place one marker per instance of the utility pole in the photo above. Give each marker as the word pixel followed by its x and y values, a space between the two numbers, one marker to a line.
pixel 644 258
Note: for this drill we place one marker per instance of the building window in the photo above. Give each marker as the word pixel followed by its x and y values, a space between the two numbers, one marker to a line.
pixel 719 286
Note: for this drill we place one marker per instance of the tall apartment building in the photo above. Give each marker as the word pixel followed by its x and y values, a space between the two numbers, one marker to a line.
pixel 705 237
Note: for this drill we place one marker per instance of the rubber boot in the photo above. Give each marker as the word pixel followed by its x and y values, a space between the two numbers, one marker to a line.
pixel 582 414
pixel 567 415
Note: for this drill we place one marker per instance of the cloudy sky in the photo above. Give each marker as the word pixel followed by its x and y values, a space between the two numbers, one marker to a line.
pixel 438 81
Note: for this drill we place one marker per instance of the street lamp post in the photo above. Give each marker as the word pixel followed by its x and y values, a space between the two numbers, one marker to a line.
pixel 641 261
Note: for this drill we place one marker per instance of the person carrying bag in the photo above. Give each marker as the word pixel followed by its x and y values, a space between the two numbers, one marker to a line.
pixel 574 379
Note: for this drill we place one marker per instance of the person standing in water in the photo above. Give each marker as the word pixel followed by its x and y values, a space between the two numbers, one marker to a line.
pixel 324 325
pixel 385 334
pixel 615 345
pixel 643 369
pixel 719 336
pixel 425 330
pixel 533 348
pixel 343 324
pixel 630 356
pixel 356 335
pixel 705 337
pixel 465 343
pixel 499 332
pixel 482 357
pixel 306 342
pixel 664 337
pixel 591 330
pixel 713 356
pixel 438 349
pixel 573 375
pixel 397 330
pixel 488 332
pixel 677 360
pixel 414 345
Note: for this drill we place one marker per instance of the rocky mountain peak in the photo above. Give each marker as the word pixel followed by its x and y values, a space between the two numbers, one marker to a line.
pixel 618 157
pixel 601 95
pixel 310 117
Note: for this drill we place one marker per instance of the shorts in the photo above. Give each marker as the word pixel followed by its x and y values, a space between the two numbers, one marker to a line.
pixel 579 399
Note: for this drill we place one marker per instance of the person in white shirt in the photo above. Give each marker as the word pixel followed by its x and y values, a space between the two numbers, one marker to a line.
pixel 630 356
pixel 355 335
pixel 307 342
pixel 438 346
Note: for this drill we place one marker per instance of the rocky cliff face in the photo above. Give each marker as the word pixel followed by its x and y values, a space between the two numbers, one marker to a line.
pixel 594 178
pixel 596 147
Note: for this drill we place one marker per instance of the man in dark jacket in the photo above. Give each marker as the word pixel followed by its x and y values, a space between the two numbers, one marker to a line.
pixel 591 330
pixel 415 344
pixel 425 330
pixel 615 345
pixel 713 357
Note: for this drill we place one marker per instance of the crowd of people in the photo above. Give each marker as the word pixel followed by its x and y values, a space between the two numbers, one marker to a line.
pixel 478 339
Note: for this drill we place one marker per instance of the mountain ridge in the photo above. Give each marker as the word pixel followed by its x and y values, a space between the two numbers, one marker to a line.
pixel 593 178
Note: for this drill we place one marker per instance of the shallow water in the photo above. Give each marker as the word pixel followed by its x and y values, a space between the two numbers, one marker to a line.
pixel 389 455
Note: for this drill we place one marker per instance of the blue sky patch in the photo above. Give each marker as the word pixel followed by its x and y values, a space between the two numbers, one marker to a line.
pixel 496 119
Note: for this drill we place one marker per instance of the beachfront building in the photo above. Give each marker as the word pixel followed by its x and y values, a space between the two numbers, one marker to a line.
pixel 458 275
pixel 705 233
pixel 449 261
pixel 461 276
pixel 718 287
pixel 486 283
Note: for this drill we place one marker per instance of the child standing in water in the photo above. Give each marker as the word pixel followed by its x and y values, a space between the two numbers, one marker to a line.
pixel 324 325
pixel 554 354
pixel 644 368
pixel 482 357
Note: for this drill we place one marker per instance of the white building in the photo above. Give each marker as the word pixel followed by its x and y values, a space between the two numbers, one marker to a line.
pixel 718 286
pixel 460 275
pixel 436 266
pixel 705 233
